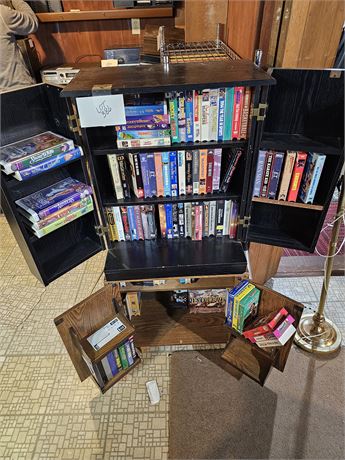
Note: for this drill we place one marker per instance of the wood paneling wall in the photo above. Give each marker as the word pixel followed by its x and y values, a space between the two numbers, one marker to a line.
pixel 202 17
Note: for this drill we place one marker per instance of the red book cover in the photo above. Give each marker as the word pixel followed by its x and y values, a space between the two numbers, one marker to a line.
pixel 266 323
pixel 209 177
pixel 139 223
pixel 125 223
pixel 297 176
pixel 237 113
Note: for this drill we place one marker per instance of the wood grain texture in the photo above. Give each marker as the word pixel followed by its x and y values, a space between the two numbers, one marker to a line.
pixel 202 17
pixel 264 261
pixel 269 33
pixel 84 318
pixel 292 204
pixel 87 5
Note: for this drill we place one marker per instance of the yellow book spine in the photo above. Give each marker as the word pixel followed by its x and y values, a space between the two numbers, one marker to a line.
pixel 237 300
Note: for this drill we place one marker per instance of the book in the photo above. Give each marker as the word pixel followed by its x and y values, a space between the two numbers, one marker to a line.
pixel 229 105
pixel 169 220
pixel 202 171
pixel 235 156
pixel 123 356
pixel 182 117
pixel 209 175
pixel 207 300
pixel 230 300
pixel 189 116
pixel 159 173
pixel 117 359
pixel 196 163
pixel 245 112
pixel 48 164
pixel 137 180
pixel 275 175
pixel 265 323
pixel 216 169
pixel 197 116
pixel 124 175
pixel 248 308
pixel 205 115
pixel 311 178
pixel 162 220
pixel 143 134
pixel 236 306
pixel 181 172
pixel 260 166
pixel 63 221
pixel 173 111
pixel 44 202
pixel 112 363
pixel 29 152
pixel 267 173
pixel 189 172
pixel 145 174
pixel 237 113
pixel 125 223
pixel 140 143
pixel 213 116
pixel 188 220
pixel 128 350
pixel 173 174
pixel 166 173
pixel 152 174
pixel 287 173
pixel 118 222
pixel 115 176
pixel 221 113
pixel 297 174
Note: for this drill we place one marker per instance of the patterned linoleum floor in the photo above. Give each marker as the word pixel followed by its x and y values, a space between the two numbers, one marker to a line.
pixel 45 411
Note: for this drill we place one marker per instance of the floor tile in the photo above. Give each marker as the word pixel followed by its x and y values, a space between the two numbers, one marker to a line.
pixel 96 263
pixel 336 288
pixel 90 283
pixel 18 435
pixel 6 338
pixel 298 289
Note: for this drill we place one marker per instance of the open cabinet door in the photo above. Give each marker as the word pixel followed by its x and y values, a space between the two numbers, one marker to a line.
pixel 27 112
pixel 305 114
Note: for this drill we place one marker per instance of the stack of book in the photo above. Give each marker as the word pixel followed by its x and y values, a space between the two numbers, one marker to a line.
pixel 210 115
pixel 55 206
pixel 131 223
pixel 117 360
pixel 173 173
pixel 288 176
pixel 273 330
pixel 242 305
pixel 36 155
pixel 147 125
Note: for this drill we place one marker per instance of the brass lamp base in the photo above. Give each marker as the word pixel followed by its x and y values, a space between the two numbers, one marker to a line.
pixel 317 334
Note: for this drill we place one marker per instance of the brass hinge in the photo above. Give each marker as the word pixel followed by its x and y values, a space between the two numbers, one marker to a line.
pixel 245 221
pixel 101 230
pixel 260 112
pixel 74 124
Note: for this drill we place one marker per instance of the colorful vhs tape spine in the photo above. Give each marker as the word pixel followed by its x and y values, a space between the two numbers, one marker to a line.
pixel 181 172
pixel 213 116
pixel 229 105
pixel 145 173
pixel 169 220
pixel 196 164
pixel 221 114
pixel 189 116
pixel 209 177
pixel 202 171
pixel 297 176
pixel 166 173
pixel 197 116
pixel 267 173
pixel 152 174
pixel 173 174
pixel 159 173
pixel 287 173
pixel 189 172
pixel 275 174
pixel 173 110
pixel 216 169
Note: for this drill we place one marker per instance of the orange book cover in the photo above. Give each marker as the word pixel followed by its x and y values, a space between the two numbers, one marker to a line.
pixel 297 176
pixel 159 173
pixel 202 171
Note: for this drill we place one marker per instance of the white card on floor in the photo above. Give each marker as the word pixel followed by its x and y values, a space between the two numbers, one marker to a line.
pixel 108 110
pixel 106 333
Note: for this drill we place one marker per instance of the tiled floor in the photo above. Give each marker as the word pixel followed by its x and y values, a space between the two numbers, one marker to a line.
pixel 45 411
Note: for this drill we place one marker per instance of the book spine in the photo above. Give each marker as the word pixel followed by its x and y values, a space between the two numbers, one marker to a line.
pixel 173 174
pixel 181 172
pixel 143 134
pixel 189 172
pixel 132 224
pixel 107 369
pixel 233 220
pixel 181 220
pixel 123 356
pixel 162 220
pixel 140 143
pixel 213 116
pixel 173 110
pixel 182 118
pixel 175 218
pixel 118 223
pixel 307 175
pixel 145 121
pixel 231 296
pixel 197 111
pixel 188 219
pixel 145 110
pixel 77 196
pixel 315 178
pixel 209 177
pixel 212 218
pixel 138 223
pixel 205 114
pixel 133 176
pixel 152 174
pixel 238 104
pixel 206 223
pixel 196 164
pixel 159 173
pixel 221 114
pixel 236 308
pixel 193 220
pixel 115 176
pixel 267 173
pixel 229 105
pixel 144 222
pixel 151 221
pixel 150 125
pixel 275 174
pixel 123 170
pixel 138 176
pixel 169 220
pixel 202 171
pixel 145 172
pixel 166 173
pixel 259 172
pixel 133 350
pixel 117 358
pixel 198 221
pixel 227 214
pixel 112 363
pixel 297 176
pixel 220 218
pixel 113 234
pixel 231 169
pixel 216 169
pixel 287 173
pixel 125 222
pixel 189 116
pixel 245 113
pixel 129 353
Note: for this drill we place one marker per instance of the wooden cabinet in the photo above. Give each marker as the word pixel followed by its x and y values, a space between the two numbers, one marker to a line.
pixel 304 113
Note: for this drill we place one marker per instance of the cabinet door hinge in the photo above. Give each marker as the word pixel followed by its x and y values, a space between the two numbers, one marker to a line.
pixel 260 112
pixel 244 222
pixel 74 124
pixel 101 230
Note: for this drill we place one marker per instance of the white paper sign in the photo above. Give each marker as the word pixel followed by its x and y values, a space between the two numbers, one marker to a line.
pixel 106 333
pixel 106 110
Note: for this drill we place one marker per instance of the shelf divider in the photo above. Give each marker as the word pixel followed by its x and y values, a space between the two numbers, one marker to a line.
pixel 314 207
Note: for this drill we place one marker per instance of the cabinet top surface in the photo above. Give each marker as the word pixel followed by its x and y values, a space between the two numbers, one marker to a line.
pixel 157 78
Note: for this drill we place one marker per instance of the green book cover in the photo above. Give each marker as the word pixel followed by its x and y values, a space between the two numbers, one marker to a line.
pixel 229 108
pixel 248 307
pixel 123 357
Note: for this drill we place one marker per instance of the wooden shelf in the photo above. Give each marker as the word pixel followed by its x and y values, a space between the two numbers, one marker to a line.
pixel 68 16
pixel 120 375
pixel 314 207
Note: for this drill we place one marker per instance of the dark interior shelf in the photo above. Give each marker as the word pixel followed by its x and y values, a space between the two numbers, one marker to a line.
pixel 282 141
pixel 159 258
pixel 275 236
pixel 314 207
